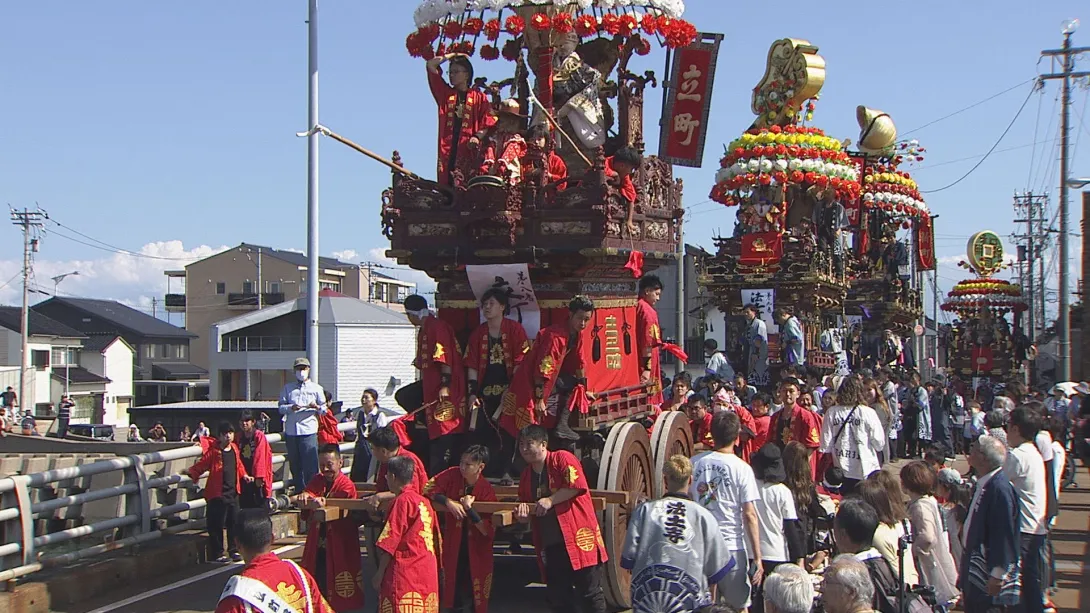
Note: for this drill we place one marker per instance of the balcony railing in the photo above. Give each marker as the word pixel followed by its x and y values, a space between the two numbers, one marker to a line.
pixel 175 303
pixel 247 300
pixel 262 343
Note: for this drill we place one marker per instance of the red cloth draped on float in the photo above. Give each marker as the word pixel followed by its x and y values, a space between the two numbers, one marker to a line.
pixel 341 540
pixel 761 248
pixel 476 115
pixel 282 578
pixel 411 537
pixel 554 352
pixel 328 434
pixel 452 484
pixel 420 474
pixel 437 346
pixel 515 347
pixel 578 522
pixel 648 341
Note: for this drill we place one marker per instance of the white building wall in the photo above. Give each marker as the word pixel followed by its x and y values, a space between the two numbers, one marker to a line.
pixel 328 372
pixel 10 343
pixel 117 362
pixel 368 356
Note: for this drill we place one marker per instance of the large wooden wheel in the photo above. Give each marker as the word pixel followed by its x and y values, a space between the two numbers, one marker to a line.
pixel 671 435
pixel 627 467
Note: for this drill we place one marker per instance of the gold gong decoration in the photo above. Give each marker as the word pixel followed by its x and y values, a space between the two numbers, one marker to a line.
pixel 985 251
pixel 794 74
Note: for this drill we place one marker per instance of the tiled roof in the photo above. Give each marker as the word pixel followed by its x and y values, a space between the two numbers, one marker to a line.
pixel 122 316
pixel 40 325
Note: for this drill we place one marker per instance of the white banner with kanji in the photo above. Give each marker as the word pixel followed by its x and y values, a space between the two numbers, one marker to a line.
pixel 514 281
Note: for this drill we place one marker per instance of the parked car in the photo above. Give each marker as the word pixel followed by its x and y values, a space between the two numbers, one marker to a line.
pixel 99 432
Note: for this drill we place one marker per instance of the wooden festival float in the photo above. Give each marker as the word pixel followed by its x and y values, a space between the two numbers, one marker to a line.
pixel 890 224
pixel 983 341
pixel 789 182
pixel 570 237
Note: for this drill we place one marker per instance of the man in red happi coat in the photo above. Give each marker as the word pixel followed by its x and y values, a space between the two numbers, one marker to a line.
pixel 570 549
pixel 796 423
pixel 494 351
pixel 442 381
pixel 256 456
pixel 409 547
pixel 467 535
pixel 267 583
pixel 649 336
pixel 332 550
pixel 558 350
pixel 385 445
pixel 221 459
pixel 700 423
pixel 464 115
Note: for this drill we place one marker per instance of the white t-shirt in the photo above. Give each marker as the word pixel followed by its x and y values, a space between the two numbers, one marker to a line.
pixel 722 483
pixel 775 505
pixel 1026 470
pixel 1059 458
pixel 1043 441
pixel 856 451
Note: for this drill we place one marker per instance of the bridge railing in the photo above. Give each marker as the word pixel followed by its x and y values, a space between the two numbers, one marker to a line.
pixel 141 482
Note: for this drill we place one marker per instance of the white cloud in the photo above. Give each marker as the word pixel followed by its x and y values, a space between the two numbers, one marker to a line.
pixel 134 279
pixel 347 255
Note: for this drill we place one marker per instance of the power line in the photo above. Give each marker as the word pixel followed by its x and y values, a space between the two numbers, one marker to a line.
pixel 111 248
pixel 970 107
pixel 990 151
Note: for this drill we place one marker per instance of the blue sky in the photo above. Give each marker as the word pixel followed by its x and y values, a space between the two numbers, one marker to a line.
pixel 169 128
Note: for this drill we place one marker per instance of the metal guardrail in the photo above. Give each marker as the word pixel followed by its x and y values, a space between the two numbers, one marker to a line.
pixel 23 552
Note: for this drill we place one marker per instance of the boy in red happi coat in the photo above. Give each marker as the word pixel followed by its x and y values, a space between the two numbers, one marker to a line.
pixel 556 500
pixel 408 548
pixel 222 461
pixel 267 583
pixel 467 535
pixel 332 550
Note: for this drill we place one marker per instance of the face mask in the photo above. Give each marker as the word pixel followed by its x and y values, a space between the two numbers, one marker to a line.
pixel 302 374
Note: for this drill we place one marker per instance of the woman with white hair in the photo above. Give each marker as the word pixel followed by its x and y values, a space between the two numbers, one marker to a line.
pixel 847 587
pixel 788 590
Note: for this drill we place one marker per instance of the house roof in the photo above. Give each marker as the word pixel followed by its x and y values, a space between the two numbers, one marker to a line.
pixel 77 374
pixel 177 370
pixel 100 342
pixel 298 259
pixel 40 325
pixel 333 310
pixel 122 316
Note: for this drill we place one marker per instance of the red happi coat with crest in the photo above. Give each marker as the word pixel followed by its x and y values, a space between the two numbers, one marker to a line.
pixel 513 340
pixel 411 536
pixel 344 577
pixel 452 484
pixel 476 114
pixel 648 341
pixel 553 352
pixel 437 346
pixel 420 474
pixel 292 584
pixel 578 522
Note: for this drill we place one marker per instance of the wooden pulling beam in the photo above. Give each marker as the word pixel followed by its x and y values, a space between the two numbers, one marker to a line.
pixel 511 491
pixel 374 156
pixel 356 504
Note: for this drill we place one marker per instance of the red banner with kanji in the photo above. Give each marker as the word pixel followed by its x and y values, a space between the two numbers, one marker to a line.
pixel 761 248
pixel 688 102
pixel 925 243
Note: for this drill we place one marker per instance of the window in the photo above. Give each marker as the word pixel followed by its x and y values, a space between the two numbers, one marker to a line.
pixel 60 359
pixel 39 358
pixel 221 288
pixel 180 352
pixel 274 287
pixel 247 287
pixel 330 285
pixel 150 351
pixel 379 292
pixel 402 294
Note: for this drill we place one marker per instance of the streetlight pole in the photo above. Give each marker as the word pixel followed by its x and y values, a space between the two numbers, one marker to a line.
pixel 57 279
pixel 313 270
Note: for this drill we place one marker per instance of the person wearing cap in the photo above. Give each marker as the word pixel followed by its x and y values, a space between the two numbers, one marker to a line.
pixel 301 401
pixel 783 538
pixel 1058 405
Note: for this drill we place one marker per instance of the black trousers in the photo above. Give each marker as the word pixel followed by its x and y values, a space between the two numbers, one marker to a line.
pixel 361 460
pixel 252 497
pixel 572 590
pixel 1034 573
pixel 221 513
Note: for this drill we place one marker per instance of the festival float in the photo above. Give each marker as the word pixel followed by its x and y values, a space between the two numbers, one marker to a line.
pixel 789 183
pixel 543 240
pixel 891 227
pixel 984 343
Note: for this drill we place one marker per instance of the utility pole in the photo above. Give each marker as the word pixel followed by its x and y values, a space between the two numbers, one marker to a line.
pixel 260 283
pixel 1067 54
pixel 313 261
pixel 682 305
pixel 1029 208
pixel 31 223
